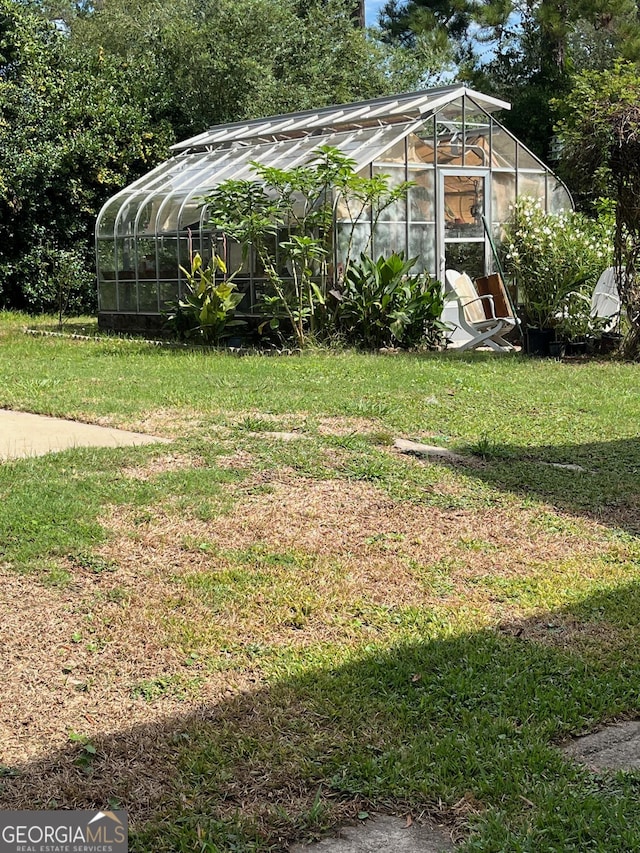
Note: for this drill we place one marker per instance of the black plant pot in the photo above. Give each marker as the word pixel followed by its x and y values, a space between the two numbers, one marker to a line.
pixel 538 341
pixel 557 349
pixel 576 347
pixel 608 343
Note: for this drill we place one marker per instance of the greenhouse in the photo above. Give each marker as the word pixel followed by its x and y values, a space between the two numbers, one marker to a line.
pixel 466 171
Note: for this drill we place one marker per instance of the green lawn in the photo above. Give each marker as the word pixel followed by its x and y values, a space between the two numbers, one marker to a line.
pixel 244 637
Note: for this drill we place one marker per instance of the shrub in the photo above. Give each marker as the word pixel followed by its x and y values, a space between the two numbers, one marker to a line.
pixel 552 256
pixel 380 304
pixel 52 280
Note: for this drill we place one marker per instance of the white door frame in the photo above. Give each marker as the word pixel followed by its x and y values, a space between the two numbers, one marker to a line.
pixel 441 239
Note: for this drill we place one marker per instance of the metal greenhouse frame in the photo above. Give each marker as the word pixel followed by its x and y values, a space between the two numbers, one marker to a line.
pixel 464 165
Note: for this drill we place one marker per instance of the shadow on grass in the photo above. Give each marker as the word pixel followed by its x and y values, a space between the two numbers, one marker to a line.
pixel 459 726
pixel 607 490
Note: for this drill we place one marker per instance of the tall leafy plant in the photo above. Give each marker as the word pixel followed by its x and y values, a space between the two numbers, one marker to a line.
pixel 207 308
pixel 382 304
pixel 286 217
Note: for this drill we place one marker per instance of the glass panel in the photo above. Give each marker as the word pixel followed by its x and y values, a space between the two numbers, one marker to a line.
pixel 451 113
pixel 465 257
pixel 503 195
pixel 503 148
pixel 526 160
pixel 107 295
pixel 532 184
pixel 360 240
pixel 147 215
pixel 127 299
pixel 350 209
pixel 107 219
pixel 477 124
pixel 292 153
pixel 463 205
pixel 449 134
pixel 397 210
pixel 421 144
pixel 187 249
pixel 167 216
pixel 190 216
pixel 106 258
pixel 146 258
pixel 559 198
pixel 421 196
pixel 148 297
pixel 373 147
pixel 189 171
pixel 221 166
pixel 168 293
pixel 233 256
pixel 167 257
pixel 125 258
pixel 395 154
pixel 128 213
pixel 389 237
pixel 422 244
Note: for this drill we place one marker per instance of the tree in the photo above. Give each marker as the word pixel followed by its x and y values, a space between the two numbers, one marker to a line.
pixel 600 132
pixel 72 132
pixel 204 62
pixel 522 50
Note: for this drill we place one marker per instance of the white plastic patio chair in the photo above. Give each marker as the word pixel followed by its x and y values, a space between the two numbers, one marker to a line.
pixel 604 303
pixel 605 300
pixel 472 318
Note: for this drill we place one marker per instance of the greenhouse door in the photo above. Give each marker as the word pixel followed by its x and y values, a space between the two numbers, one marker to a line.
pixel 463 202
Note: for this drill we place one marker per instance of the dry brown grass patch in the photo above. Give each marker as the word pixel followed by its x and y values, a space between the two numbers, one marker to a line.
pixel 73 656
pixel 347 426
pixel 168 422
pixel 162 464
pixel 241 460
pixel 350 556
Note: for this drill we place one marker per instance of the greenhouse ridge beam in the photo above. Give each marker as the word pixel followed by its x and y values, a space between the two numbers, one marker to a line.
pixel 400 108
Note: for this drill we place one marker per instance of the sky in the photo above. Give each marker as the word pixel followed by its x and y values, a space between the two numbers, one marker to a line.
pixel 371 9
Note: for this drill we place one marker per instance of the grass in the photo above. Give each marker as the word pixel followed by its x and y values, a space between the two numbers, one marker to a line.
pixel 259 637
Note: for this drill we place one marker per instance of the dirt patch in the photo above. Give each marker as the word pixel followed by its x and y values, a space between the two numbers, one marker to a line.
pixel 347 426
pixel 162 464
pixel 72 658
pixel 172 423
pixel 560 631
pixel 241 460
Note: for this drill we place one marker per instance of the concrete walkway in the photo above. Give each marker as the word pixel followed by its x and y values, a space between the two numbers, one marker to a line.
pixel 382 834
pixel 23 434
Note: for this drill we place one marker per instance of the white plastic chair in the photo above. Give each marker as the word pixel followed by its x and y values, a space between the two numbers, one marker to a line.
pixel 472 318
pixel 605 300
pixel 603 305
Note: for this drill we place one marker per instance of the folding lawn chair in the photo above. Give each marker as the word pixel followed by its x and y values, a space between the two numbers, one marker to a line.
pixel 475 318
